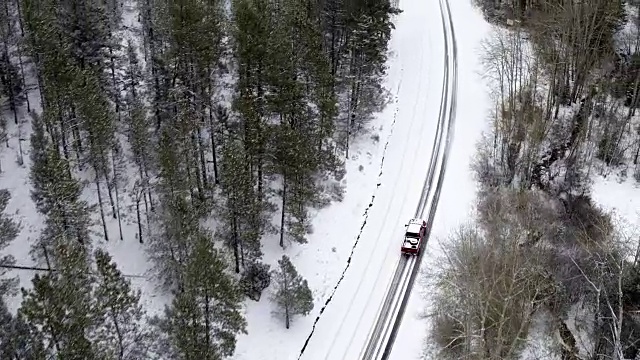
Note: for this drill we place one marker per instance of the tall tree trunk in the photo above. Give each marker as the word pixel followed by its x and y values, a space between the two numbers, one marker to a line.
pixel 203 162
pixel 63 135
pixel 286 316
pixel 334 51
pixel 147 177
pixel 24 80
pixel 189 180
pixel 116 326
pixel 104 223
pixel 634 100
pixel 111 201
pixel 144 190
pixel 19 7
pixel 196 166
pixel 138 216
pixel 77 139
pixel 213 146
pixel 207 321
pixel 115 186
pixel 282 216
pixel 260 177
pixel 287 301
pixel 13 103
pixel 212 128
pixel 236 242
pixel 258 129
pixel 242 254
pixel 146 210
pixel 116 92
pixel 45 253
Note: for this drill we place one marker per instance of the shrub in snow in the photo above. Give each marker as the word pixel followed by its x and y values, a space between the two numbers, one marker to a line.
pixel 292 295
pixel 254 280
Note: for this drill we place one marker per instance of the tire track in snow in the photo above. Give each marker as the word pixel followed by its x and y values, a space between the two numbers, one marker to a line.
pixel 365 216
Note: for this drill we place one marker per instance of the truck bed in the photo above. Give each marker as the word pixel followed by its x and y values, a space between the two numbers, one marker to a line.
pixel 408 247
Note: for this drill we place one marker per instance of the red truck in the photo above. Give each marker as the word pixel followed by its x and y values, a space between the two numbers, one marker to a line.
pixel 413 237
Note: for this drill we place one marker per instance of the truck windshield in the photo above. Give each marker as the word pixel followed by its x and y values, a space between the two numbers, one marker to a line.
pixel 412 235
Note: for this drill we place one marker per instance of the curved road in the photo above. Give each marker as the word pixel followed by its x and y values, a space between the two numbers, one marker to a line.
pixel 382 336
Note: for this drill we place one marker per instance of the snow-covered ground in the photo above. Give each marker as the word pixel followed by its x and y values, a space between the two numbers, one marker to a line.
pixel 20 208
pixel 621 197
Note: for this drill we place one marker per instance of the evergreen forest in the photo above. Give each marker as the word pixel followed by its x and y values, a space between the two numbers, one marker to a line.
pixel 213 126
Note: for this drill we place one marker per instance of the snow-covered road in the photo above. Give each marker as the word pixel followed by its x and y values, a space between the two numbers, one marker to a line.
pixel 420 75
pixel 383 335
pixel 458 193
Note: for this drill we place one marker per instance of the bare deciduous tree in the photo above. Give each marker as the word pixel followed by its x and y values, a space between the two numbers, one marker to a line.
pixel 489 290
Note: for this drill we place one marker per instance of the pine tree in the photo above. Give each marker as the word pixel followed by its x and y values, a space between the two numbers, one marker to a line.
pixel 98 120
pixel 204 319
pixel 172 247
pixel 55 70
pixel 86 25
pixel 73 44
pixel 369 33
pixel 292 295
pixel 118 179
pixel 57 196
pixel 133 77
pixel 254 33
pixel 294 152
pixel 178 212
pixel 355 35
pixel 121 334
pixel 218 297
pixel 194 32
pixel 115 63
pixel 242 211
pixel 138 128
pixel 285 76
pixel 299 189
pixel 319 84
pixel 61 306
pixel 18 339
pixel 8 232
pixel 138 123
pixel 184 330
pixel 11 84
pixel 155 29
pixel 39 149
